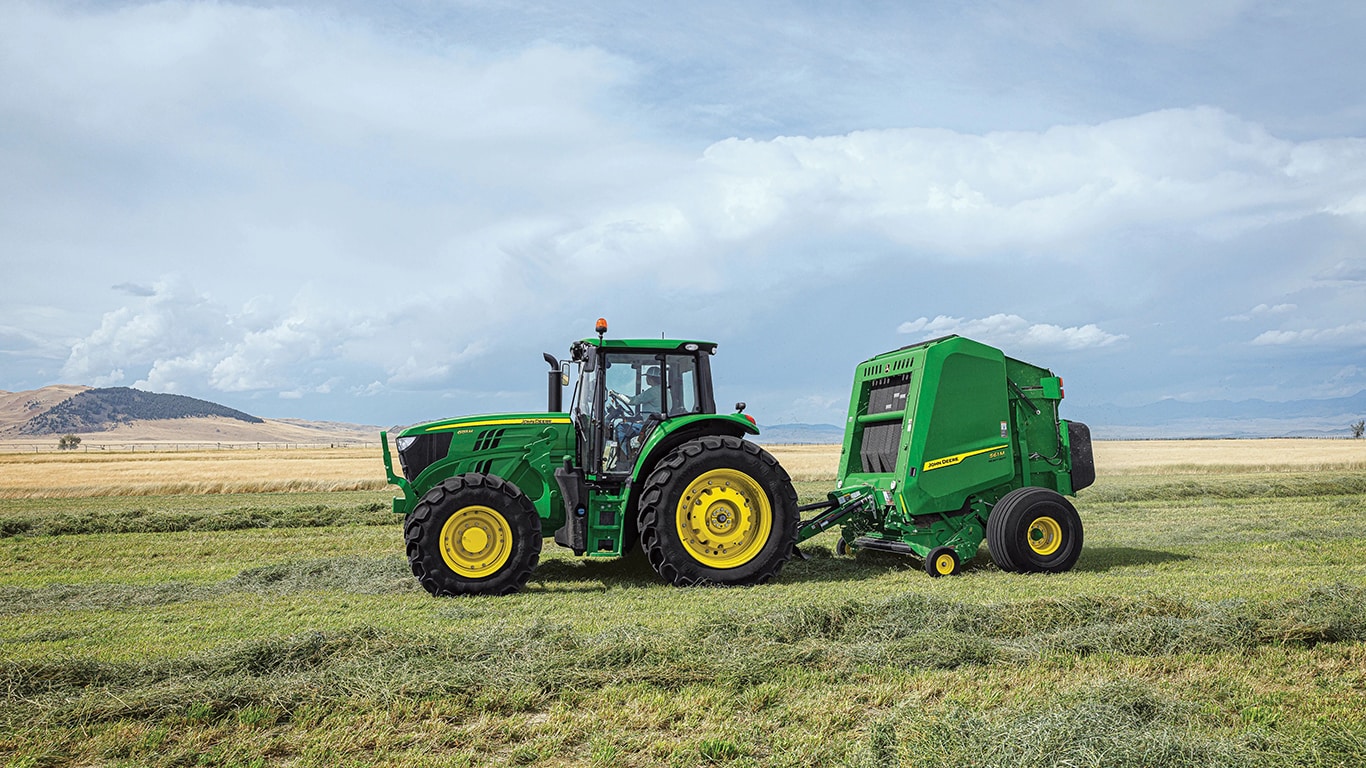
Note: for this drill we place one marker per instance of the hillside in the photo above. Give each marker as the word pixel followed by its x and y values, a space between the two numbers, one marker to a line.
pixel 98 410
pixel 120 416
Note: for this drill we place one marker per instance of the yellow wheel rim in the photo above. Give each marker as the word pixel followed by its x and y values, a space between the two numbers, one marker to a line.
pixel 944 564
pixel 476 542
pixel 1045 535
pixel 724 518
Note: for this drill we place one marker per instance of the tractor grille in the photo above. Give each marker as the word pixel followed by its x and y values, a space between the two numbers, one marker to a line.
pixel 423 451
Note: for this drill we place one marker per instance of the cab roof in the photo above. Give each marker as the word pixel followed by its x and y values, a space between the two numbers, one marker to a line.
pixel 650 345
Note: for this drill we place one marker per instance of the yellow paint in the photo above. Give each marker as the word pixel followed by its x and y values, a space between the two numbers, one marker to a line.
pixel 944 564
pixel 476 541
pixel 1045 535
pixel 949 461
pixel 496 423
pixel 724 518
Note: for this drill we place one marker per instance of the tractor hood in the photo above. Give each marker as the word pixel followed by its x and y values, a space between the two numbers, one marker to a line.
pixel 421 445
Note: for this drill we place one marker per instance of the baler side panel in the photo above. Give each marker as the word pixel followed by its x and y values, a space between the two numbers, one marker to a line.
pixel 965 421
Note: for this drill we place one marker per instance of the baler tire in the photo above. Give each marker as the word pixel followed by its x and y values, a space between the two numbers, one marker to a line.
pixel 735 490
pixel 942 561
pixel 1034 530
pixel 473 534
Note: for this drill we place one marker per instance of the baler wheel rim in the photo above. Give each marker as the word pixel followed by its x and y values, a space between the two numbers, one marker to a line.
pixel 1045 535
pixel 942 561
pixel 944 564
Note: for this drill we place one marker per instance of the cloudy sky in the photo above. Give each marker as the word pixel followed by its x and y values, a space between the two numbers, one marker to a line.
pixel 384 212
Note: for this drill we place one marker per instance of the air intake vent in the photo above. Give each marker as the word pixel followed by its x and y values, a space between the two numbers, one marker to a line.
pixel 885 368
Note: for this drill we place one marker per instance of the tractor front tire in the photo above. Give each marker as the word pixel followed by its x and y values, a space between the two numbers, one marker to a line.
pixel 1034 530
pixel 473 535
pixel 718 510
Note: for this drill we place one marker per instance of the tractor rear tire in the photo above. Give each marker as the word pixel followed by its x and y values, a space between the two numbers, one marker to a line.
pixel 1034 530
pixel 718 510
pixel 473 535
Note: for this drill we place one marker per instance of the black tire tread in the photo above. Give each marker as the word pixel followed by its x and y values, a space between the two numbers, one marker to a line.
pixel 655 510
pixel 423 527
pixel 1011 513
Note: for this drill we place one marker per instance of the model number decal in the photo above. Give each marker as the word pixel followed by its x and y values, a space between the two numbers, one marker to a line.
pixel 949 461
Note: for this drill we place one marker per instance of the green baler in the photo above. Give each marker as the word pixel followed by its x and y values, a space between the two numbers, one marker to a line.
pixel 949 442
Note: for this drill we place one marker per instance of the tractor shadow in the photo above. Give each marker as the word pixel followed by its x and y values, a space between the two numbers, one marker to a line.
pixel 634 571
pixel 820 564
pixel 1102 559
pixel 592 575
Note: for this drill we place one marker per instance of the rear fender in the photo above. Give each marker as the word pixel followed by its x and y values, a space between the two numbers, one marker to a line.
pixel 674 432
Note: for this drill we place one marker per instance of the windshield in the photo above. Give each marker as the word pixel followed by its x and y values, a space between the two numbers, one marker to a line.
pixel 622 394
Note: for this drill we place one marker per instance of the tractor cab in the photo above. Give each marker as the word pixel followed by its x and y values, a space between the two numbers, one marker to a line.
pixel 627 388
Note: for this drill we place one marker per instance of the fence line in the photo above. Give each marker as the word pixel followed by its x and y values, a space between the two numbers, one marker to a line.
pixel 178 447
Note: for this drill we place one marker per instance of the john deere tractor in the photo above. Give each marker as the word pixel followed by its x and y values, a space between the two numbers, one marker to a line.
pixel 640 459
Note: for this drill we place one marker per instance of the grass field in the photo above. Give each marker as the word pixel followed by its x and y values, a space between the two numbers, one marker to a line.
pixel 198 609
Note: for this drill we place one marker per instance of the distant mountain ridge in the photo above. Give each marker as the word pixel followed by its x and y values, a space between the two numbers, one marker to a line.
pixel 98 410
pixel 1326 417
pixel 798 434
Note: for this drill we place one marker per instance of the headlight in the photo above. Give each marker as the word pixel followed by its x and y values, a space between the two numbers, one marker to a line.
pixel 404 442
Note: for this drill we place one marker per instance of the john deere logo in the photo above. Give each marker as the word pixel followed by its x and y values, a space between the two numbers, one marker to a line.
pixel 949 461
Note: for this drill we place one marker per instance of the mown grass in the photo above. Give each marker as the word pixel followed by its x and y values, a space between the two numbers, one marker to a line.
pixel 1215 619
pixel 192 512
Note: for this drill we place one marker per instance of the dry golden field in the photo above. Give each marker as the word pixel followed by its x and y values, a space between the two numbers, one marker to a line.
pixel 146 473
pixel 818 462
pixel 143 473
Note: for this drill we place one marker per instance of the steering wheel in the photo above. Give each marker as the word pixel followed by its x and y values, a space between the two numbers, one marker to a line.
pixel 616 406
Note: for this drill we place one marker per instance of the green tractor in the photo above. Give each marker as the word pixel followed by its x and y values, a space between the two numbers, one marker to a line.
pixel 640 458
pixel 948 443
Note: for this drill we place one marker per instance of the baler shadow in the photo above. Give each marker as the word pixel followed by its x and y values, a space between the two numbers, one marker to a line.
pixel 1101 559
pixel 822 565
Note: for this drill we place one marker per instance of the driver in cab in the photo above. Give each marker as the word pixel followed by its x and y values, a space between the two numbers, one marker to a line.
pixel 646 402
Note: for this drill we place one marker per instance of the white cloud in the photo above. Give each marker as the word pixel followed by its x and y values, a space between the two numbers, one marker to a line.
pixel 170 327
pixel 1012 331
pixel 1347 271
pixel 179 340
pixel 1346 335
pixel 1262 310
pixel 1199 171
